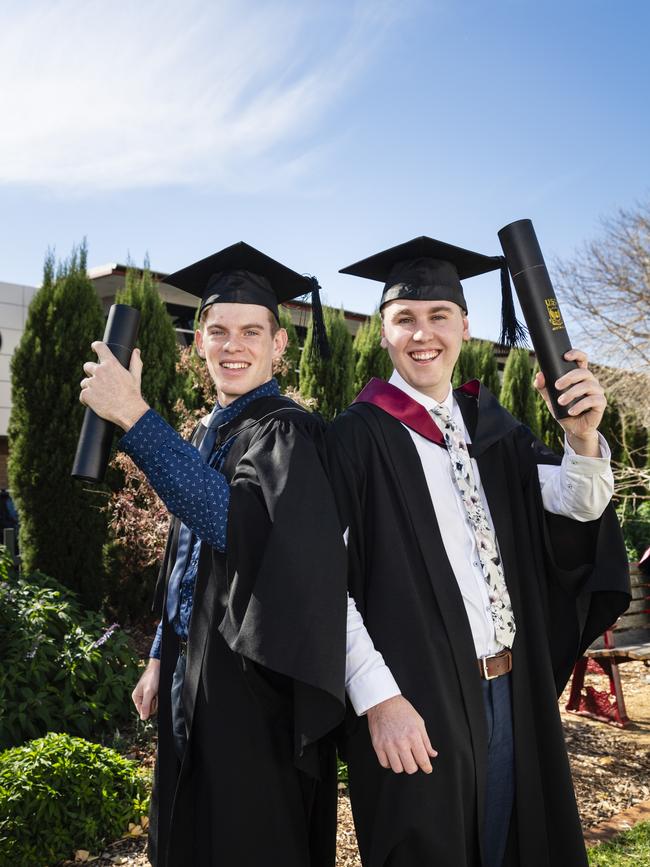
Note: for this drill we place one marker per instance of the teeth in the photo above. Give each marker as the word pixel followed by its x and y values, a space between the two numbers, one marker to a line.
pixel 234 365
pixel 425 356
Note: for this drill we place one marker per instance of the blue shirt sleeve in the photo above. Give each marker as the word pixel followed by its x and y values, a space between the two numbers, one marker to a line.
pixel 192 490
pixel 154 653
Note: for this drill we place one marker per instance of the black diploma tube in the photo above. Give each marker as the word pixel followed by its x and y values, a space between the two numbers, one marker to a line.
pixel 96 437
pixel 539 304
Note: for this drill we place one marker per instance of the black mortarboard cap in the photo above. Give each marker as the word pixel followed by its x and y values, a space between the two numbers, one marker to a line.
pixel 428 270
pixel 240 274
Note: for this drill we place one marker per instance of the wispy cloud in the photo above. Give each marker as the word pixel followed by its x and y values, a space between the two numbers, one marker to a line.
pixel 97 95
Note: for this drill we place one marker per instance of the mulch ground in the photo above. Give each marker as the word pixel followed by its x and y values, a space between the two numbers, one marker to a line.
pixel 611 772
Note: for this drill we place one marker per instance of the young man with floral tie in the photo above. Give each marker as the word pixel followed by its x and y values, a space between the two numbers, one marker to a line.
pixel 480 565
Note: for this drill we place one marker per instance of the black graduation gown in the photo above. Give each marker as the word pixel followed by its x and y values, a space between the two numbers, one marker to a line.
pixel 567 582
pixel 265 662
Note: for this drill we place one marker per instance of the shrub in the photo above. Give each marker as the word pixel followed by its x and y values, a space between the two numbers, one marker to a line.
pixel 636 528
pixel 517 392
pixel 62 527
pixel 477 361
pixel 60 793
pixel 285 369
pixel 156 339
pixel 197 391
pixel 548 429
pixel 370 359
pixel 330 381
pixel 138 524
pixel 63 669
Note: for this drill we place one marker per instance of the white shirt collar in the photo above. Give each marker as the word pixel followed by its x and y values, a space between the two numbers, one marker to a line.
pixel 427 402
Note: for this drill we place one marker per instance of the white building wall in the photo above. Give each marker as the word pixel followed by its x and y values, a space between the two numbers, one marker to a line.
pixel 14 301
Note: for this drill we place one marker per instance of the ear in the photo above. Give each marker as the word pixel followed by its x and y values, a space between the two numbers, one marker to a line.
pixel 466 334
pixel 198 343
pixel 383 342
pixel 280 340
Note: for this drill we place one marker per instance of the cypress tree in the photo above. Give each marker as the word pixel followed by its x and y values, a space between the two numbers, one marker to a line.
pixel 330 381
pixel 286 370
pixel 467 364
pixel 370 359
pixel 477 361
pixel 156 339
pixel 547 428
pixel 517 390
pixel 62 525
pixel 488 369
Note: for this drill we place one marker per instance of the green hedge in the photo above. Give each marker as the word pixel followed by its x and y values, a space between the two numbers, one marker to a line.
pixel 60 793
pixel 63 669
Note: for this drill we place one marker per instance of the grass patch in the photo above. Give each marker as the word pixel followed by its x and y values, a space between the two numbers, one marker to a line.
pixel 629 849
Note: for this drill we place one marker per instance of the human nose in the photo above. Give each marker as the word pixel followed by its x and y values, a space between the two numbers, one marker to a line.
pixel 232 344
pixel 422 333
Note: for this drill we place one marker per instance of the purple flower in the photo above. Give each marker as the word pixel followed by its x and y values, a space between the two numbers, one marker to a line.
pixel 104 638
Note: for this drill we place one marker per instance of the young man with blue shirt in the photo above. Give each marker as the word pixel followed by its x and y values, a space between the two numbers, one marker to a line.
pixel 247 667
pixel 480 566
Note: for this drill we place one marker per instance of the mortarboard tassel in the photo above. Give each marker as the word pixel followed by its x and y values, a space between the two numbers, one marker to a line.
pixel 513 333
pixel 320 344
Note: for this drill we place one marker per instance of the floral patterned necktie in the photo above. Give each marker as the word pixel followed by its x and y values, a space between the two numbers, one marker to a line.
pixel 500 605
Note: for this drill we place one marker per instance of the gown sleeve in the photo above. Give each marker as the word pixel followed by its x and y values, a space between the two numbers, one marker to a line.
pixel 286 600
pixel 587 584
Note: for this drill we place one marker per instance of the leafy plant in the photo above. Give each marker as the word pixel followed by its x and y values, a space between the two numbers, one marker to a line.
pixel 636 528
pixel 63 669
pixel 329 380
pixel 60 793
pixel 517 392
pixel 285 369
pixel 477 361
pixel 62 526
pixel 156 340
pixel 370 359
pixel 196 387
pixel 138 524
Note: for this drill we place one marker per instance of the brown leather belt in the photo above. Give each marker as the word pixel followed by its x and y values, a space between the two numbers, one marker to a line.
pixel 494 666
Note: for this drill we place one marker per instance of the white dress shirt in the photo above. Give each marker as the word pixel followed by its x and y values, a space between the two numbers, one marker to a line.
pixel 579 488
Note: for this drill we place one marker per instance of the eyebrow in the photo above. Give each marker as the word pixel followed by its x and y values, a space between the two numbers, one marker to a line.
pixel 241 327
pixel 438 309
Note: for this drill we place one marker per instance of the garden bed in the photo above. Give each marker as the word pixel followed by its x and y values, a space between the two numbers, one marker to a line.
pixel 611 771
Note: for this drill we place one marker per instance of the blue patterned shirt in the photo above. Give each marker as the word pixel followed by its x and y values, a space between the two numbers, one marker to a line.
pixel 193 490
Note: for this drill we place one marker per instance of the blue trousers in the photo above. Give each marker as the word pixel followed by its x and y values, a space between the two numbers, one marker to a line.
pixel 500 785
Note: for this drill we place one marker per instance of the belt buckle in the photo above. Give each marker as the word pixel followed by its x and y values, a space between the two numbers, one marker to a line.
pixel 484 668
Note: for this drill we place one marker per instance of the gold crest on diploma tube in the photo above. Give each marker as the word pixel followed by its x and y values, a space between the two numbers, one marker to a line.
pixel 554 315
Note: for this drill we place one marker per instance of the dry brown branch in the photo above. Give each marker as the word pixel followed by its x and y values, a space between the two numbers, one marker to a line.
pixel 607 285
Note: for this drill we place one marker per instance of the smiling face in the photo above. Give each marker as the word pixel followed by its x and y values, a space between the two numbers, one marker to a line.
pixel 239 343
pixel 423 339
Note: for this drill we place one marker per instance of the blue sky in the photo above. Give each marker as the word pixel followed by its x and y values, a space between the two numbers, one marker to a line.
pixel 320 132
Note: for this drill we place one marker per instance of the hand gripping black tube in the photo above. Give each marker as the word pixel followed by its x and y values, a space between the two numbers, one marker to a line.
pixel 96 437
pixel 539 305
